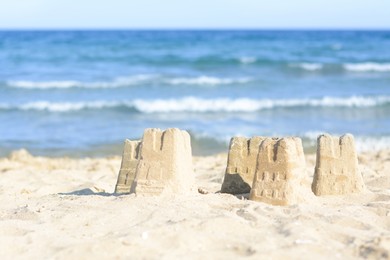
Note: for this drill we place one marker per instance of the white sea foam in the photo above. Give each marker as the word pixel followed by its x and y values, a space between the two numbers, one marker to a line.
pixel 308 66
pixel 199 105
pixel 43 84
pixel 206 80
pixel 192 104
pixel 67 106
pixel 363 143
pixel 118 82
pixel 367 66
pixel 247 60
pixel 354 101
pixel 126 81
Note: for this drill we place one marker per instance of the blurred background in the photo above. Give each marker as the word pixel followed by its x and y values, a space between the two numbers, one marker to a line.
pixel 78 91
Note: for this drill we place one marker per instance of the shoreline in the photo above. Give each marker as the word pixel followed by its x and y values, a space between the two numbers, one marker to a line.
pixel 200 147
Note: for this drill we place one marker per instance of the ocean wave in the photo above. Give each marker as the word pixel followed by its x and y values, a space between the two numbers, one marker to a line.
pixel 43 84
pixel 118 82
pixel 192 104
pixel 206 80
pixel 367 67
pixel 126 81
pixel 199 105
pixel 247 60
pixel 68 106
pixel 365 143
pixel 362 143
pixel 353 67
pixel 308 66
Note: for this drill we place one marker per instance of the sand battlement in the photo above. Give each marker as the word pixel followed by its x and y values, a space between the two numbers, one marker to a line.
pixel 165 162
pixel 336 170
pixel 336 147
pixel 241 164
pixel 274 151
pixel 279 172
pixel 128 166
pixel 240 149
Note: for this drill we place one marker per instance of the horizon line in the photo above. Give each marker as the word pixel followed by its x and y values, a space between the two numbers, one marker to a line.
pixel 195 29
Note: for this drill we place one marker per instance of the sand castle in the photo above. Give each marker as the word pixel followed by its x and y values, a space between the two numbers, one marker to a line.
pixel 280 171
pixel 241 165
pixel 129 163
pixel 336 170
pixel 165 163
pixel 271 169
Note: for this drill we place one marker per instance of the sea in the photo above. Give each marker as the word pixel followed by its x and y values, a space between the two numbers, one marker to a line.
pixel 82 93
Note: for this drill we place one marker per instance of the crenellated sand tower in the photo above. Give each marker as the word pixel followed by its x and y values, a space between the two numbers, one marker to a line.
pixel 336 170
pixel 165 163
pixel 280 172
pixel 241 164
pixel 129 163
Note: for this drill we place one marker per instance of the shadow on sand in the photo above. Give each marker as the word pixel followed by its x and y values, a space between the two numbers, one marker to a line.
pixel 91 192
pixel 88 192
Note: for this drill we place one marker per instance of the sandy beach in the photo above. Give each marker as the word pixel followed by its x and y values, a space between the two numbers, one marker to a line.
pixel 249 130
pixel 64 208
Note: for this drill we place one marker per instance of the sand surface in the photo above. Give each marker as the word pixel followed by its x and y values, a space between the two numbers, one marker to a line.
pixel 64 209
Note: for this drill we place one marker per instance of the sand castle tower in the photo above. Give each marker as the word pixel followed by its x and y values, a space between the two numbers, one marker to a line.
pixel 129 163
pixel 280 172
pixel 241 164
pixel 165 163
pixel 336 170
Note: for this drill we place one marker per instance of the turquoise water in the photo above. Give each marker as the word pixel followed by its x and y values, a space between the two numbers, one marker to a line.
pixel 83 92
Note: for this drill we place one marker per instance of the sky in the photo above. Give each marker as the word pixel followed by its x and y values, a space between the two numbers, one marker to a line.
pixel 201 14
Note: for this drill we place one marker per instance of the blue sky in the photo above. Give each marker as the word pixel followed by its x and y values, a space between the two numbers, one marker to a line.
pixel 70 14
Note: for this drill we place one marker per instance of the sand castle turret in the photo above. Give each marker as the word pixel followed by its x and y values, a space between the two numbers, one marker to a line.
pixel 129 163
pixel 165 163
pixel 241 165
pixel 280 172
pixel 336 170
